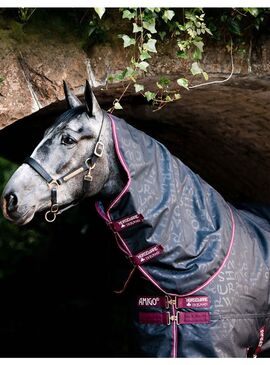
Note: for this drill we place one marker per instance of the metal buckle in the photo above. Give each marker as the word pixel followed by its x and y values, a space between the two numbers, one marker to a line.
pixel 50 216
pixel 54 208
pixel 173 318
pixel 99 146
pixel 170 301
pixel 53 183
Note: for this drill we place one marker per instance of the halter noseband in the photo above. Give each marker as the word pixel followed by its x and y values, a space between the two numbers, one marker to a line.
pixel 88 165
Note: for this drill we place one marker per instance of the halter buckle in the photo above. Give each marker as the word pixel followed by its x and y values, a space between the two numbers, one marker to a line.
pixel 99 148
pixel 52 184
pixel 88 176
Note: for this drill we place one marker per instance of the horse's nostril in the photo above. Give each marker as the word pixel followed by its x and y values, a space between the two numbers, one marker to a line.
pixel 11 202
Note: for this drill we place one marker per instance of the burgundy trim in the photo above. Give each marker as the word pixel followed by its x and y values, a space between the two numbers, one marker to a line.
pixel 175 318
pixel 153 318
pixel 194 317
pixel 201 301
pixel 127 222
pixel 146 255
pixel 100 212
pixel 118 152
pixel 261 341
pixel 126 282
pixel 174 330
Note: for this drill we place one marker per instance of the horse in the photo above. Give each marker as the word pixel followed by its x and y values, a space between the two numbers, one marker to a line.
pixel 202 264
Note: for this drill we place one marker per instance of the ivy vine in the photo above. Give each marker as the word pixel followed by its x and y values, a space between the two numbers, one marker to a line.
pixel 188 29
pixel 148 28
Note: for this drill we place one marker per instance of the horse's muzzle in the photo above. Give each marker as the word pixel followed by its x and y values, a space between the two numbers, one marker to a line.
pixel 9 205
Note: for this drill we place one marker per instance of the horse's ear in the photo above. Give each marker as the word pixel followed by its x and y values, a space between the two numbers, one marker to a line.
pixel 71 99
pixel 91 102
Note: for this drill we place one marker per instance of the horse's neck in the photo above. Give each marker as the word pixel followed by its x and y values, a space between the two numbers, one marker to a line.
pixel 115 182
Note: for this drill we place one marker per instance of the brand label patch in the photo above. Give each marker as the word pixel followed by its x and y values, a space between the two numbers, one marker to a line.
pixel 150 302
pixel 126 222
pixel 261 341
pixel 194 317
pixel 146 255
pixel 194 302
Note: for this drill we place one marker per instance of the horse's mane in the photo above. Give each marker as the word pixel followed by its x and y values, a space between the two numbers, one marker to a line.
pixel 67 116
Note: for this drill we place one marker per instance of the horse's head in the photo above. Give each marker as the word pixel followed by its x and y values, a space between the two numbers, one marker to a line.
pixel 71 162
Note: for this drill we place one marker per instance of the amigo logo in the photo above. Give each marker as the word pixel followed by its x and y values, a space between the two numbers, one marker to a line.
pixel 149 301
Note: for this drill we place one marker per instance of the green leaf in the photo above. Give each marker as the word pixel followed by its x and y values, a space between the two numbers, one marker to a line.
pixel 149 95
pixel 100 11
pixel 199 45
pixel 128 14
pixel 144 55
pixel 197 54
pixel 119 76
pixel 162 35
pixel 182 54
pixel 252 11
pixel 195 69
pixel 164 81
pixel 234 26
pixel 150 45
pixel 168 15
pixel 136 28
pixel 117 105
pixel 177 96
pixel 205 75
pixel 183 82
pixel 127 40
pixel 150 25
pixel 138 88
pixel 143 65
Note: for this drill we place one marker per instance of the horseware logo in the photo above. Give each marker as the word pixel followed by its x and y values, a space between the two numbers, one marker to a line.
pixel 195 302
pixel 147 254
pixel 127 222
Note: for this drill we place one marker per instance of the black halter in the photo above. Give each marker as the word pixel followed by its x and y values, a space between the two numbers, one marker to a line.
pixel 88 165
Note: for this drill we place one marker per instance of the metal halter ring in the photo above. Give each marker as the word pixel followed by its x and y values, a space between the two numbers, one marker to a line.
pixel 48 218
pixel 88 166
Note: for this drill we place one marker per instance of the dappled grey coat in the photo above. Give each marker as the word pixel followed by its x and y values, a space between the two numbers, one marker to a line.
pixel 207 263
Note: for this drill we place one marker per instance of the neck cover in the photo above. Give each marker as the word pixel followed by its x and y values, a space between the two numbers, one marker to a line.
pixel 175 228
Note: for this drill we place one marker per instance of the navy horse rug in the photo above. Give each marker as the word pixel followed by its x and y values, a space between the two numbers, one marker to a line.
pixel 208 262
pixel 203 264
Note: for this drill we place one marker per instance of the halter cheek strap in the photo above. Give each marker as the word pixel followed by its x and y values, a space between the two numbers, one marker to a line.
pixel 88 165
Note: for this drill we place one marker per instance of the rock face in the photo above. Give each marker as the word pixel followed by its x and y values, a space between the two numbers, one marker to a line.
pixel 33 66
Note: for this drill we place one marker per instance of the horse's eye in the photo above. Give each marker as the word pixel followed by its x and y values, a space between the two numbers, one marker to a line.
pixel 67 140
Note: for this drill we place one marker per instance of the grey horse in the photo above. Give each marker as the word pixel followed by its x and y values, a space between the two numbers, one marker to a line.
pixel 203 265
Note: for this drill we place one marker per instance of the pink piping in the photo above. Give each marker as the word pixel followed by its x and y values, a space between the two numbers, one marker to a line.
pixel 210 279
pixel 174 329
pixel 100 212
pixel 124 166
